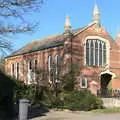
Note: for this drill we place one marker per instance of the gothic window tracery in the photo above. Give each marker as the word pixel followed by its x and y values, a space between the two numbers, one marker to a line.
pixel 95 52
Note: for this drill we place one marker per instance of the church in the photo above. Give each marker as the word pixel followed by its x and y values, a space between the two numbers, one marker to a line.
pixel 92 47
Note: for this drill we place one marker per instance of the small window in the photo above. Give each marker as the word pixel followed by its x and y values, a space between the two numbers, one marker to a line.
pixel 83 82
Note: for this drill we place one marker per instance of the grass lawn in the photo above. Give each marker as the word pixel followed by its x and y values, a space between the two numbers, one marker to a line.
pixel 107 110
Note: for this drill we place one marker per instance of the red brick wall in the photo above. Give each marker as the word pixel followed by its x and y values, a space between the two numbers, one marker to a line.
pixel 93 73
pixel 74 46
pixel 41 56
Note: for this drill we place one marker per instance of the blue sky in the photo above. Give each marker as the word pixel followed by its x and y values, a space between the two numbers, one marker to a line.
pixel 52 14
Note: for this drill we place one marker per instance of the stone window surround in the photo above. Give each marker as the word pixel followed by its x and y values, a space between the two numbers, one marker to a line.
pixel 12 69
pixel 54 61
pixel 107 47
pixel 16 70
pixel 49 62
pixel 31 74
pixel 81 80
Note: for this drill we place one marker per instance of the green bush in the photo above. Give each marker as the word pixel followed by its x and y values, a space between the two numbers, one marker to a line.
pixel 77 100
pixel 74 100
pixel 81 100
pixel 34 93
pixel 20 91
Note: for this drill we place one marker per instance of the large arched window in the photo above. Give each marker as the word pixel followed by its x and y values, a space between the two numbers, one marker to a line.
pixel 13 69
pixel 30 76
pixel 57 67
pixel 49 63
pixel 95 52
pixel 17 70
pixel 57 61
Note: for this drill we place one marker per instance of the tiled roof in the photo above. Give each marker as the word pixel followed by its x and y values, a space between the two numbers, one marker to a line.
pixel 37 45
pixel 45 43
pixel 48 42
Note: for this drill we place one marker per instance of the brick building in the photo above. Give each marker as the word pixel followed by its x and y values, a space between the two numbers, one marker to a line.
pixel 91 47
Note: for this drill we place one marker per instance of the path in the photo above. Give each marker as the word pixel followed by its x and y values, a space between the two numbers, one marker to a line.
pixel 68 115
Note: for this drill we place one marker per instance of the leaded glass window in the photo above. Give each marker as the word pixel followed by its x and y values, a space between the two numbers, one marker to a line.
pixel 57 60
pixel 92 53
pixel 104 54
pixel 100 54
pixel 95 52
pixel 87 52
pixel 49 62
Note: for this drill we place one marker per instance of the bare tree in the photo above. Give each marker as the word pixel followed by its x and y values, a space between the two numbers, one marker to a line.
pixel 13 20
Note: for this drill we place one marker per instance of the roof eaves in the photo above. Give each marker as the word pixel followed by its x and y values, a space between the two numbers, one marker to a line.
pixel 38 49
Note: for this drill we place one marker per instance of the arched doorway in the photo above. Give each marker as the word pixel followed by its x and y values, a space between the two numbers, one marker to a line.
pixel 105 79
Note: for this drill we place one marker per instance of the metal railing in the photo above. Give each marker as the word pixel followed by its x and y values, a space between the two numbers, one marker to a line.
pixel 106 93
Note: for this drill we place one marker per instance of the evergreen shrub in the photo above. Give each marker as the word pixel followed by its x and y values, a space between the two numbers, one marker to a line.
pixel 81 100
pixel 77 100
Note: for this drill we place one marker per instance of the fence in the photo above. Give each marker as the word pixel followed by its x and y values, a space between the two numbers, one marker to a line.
pixel 105 93
pixel 110 98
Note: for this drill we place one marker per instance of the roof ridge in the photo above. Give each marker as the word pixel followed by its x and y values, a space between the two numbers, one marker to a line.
pixel 40 40
pixel 84 28
pixel 48 37
pixel 39 44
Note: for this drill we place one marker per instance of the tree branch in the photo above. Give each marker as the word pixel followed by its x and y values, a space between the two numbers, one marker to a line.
pixel 15 9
